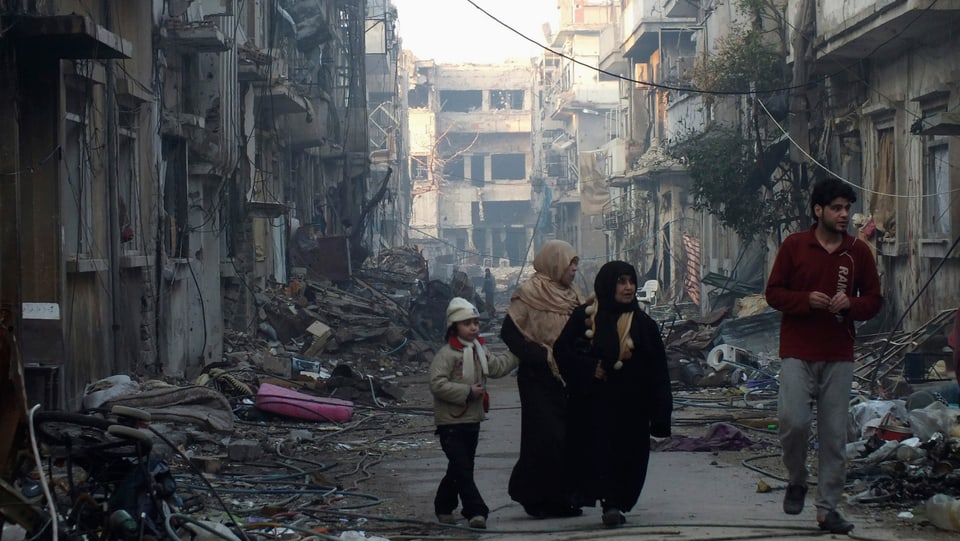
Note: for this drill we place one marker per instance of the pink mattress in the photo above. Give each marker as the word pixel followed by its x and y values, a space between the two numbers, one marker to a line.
pixel 290 403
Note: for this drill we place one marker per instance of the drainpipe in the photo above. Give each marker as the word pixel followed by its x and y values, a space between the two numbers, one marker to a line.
pixel 113 199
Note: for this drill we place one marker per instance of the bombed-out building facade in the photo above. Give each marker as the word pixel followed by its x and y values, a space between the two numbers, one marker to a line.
pixel 158 157
pixel 470 162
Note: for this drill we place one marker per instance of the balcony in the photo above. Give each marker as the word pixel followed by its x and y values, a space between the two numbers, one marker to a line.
pixel 587 97
pixel 592 26
pixel 194 36
pixel 851 30
pixel 656 166
pixel 253 65
pixel 611 55
pixel 644 29
pixel 280 99
pixel 68 36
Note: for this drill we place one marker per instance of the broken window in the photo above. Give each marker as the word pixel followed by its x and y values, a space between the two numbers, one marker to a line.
pixel 418 97
pixel 936 188
pixel 502 212
pixel 882 204
pixel 508 167
pixel 176 233
pixel 77 194
pixel 419 170
pixel 556 165
pixel 460 101
pixel 506 99
pixel 477 170
pixel 128 177
pixel 453 169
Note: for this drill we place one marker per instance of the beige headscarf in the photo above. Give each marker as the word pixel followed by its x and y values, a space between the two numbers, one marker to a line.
pixel 541 305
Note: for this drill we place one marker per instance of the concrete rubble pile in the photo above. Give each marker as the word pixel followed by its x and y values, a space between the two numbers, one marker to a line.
pixel 723 348
pixel 347 338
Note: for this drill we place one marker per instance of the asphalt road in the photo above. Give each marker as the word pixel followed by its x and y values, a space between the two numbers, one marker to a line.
pixel 687 495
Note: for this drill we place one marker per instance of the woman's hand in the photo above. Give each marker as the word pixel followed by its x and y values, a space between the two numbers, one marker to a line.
pixel 599 373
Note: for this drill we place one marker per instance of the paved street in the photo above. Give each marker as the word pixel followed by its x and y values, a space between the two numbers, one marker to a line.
pixel 687 495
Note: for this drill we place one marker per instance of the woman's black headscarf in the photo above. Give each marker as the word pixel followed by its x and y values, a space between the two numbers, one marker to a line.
pixel 605 286
pixel 606 341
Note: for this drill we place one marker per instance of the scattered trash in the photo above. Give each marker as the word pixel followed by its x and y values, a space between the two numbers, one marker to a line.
pixel 944 512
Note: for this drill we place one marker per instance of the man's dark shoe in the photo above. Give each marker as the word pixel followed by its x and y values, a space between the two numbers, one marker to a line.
pixel 793 499
pixel 612 518
pixel 834 522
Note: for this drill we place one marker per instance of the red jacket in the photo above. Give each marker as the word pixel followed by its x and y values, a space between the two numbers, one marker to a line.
pixel 802 266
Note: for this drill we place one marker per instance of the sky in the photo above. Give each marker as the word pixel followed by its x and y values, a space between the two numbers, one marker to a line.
pixel 454 31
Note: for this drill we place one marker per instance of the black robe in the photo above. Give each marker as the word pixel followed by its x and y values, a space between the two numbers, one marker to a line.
pixel 609 422
pixel 539 480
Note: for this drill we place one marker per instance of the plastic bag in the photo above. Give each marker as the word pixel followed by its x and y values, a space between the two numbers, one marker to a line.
pixel 860 415
pixel 936 417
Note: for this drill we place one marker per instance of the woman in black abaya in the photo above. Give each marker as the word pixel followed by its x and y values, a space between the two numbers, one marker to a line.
pixel 613 361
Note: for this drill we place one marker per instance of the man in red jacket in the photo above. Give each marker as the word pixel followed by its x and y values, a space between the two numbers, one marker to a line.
pixel 822 280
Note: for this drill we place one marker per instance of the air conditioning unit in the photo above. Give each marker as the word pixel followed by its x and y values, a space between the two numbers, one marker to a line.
pixel 611 220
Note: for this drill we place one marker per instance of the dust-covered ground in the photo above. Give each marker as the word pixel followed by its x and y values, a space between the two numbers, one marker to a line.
pixel 378 473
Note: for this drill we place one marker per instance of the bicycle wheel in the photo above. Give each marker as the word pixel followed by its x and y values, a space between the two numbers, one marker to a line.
pixel 80 433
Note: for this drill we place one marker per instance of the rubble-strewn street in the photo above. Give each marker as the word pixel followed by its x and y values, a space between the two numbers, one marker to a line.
pixel 243 241
pixel 352 448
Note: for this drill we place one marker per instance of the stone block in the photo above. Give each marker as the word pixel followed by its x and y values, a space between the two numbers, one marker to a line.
pixel 244 451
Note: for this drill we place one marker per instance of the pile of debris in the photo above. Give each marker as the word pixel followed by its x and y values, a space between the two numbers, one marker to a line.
pixel 377 322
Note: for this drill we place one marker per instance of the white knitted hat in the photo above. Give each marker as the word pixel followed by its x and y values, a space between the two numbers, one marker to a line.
pixel 460 309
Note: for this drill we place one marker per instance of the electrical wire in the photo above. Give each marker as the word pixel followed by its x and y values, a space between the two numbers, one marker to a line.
pixel 837 175
pixel 197 472
pixel 893 36
pixel 32 169
pixel 203 313
pixel 51 505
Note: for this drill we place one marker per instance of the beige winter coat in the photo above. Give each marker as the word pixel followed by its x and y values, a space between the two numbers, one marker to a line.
pixel 450 390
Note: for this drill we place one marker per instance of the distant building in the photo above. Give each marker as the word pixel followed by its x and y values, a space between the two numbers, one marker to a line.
pixel 471 163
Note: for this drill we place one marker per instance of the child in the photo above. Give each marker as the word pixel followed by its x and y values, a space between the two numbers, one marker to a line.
pixel 458 377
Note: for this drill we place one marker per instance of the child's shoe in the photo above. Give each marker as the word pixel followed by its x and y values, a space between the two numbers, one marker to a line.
pixel 445 518
pixel 479 522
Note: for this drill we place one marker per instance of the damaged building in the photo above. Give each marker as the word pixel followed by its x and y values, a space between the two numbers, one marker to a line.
pixel 887 127
pixel 471 163
pixel 582 112
pixel 689 252
pixel 156 159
